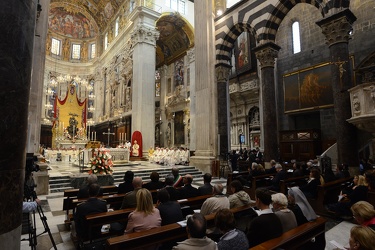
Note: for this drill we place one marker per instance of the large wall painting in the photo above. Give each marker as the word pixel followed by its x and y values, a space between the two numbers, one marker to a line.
pixel 242 52
pixel 308 88
pixel 70 25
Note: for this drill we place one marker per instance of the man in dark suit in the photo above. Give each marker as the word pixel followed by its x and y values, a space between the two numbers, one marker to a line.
pixel 127 185
pixel 207 187
pixel 129 200
pixel 170 211
pixel 267 225
pixel 280 175
pixel 84 191
pixel 93 205
pixel 174 194
pixel 188 191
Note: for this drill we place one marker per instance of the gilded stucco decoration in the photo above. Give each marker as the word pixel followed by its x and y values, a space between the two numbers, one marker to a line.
pixel 176 37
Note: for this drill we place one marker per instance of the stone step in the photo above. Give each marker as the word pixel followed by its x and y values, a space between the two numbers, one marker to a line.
pixel 61 183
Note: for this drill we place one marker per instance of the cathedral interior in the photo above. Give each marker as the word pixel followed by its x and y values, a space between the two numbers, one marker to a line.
pixel 294 78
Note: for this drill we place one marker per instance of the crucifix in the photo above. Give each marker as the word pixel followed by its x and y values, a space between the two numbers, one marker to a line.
pixel 108 134
pixel 340 65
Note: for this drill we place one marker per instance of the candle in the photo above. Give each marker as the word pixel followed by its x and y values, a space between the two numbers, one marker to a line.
pixel 125 136
pixel 95 136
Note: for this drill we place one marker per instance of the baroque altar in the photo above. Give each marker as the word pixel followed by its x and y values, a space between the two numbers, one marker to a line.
pixel 118 155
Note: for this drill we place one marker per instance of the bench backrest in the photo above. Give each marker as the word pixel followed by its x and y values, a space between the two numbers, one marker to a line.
pixel 328 193
pixel 112 189
pixel 295 238
pixel 168 233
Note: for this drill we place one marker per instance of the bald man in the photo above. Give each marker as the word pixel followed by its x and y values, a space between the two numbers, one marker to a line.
pixel 129 199
pixel 215 203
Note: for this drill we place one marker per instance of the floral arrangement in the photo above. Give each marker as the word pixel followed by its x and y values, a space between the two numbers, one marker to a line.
pixel 101 163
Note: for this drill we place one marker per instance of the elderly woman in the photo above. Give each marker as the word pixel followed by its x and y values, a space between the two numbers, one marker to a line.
pixel 239 197
pixel 361 238
pixel 232 238
pixel 280 208
pixel 364 213
pixel 145 216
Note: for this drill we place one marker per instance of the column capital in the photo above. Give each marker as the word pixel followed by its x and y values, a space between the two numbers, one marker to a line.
pixel 222 73
pixel 336 27
pixel 266 54
pixel 144 34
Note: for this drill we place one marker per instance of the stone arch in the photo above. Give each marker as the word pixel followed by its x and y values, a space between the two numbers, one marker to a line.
pixel 223 55
pixel 268 32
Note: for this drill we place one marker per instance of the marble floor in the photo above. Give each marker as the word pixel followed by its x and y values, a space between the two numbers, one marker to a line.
pixel 52 208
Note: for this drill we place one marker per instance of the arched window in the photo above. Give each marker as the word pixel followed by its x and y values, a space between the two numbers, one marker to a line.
pixel 296 38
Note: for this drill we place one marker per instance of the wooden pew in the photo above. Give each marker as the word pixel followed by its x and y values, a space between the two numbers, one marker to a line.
pixel 100 219
pixel 327 194
pixel 233 176
pixel 164 234
pixel 258 181
pixel 71 194
pixel 295 238
pixel 291 182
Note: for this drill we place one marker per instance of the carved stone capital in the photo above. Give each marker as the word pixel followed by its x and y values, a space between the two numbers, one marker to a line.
pixel 336 28
pixel 266 54
pixel 142 34
pixel 222 73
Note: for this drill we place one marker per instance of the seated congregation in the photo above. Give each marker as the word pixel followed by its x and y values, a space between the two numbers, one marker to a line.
pixel 152 215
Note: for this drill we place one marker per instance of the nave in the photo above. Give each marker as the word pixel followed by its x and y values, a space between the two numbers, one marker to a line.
pixel 52 205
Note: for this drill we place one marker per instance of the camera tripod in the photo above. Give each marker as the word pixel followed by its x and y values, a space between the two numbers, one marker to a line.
pixel 32 229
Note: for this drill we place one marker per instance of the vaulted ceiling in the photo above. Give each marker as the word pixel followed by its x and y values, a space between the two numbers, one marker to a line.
pixel 99 12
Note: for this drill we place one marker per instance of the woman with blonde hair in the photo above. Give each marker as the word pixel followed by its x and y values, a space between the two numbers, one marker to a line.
pixel 357 193
pixel 145 216
pixel 361 238
pixel 364 213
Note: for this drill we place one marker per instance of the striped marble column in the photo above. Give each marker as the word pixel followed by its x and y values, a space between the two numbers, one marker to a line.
pixel 266 54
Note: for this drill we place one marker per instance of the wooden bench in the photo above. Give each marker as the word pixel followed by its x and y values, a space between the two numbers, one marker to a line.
pixel 256 182
pixel 164 234
pixel 327 194
pixel 71 194
pixel 295 238
pixel 100 219
pixel 292 182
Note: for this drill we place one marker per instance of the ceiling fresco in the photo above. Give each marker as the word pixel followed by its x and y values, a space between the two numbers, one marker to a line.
pixel 76 25
pixel 176 36
pixel 101 11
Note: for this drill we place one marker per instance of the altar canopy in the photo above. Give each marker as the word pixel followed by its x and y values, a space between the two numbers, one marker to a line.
pixel 69 126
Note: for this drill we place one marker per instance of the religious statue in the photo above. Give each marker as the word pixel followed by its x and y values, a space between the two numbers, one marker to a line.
pixel 135 150
pixel 66 49
pixel 84 52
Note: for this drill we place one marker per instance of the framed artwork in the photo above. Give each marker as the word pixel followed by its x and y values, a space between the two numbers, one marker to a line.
pixel 242 52
pixel 308 88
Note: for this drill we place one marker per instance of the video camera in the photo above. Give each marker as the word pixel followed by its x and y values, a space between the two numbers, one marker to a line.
pixel 30 163
pixel 29 184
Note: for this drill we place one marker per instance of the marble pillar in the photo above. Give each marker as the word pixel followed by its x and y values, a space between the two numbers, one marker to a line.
pixel 193 111
pixel 266 54
pixel 205 87
pixel 143 38
pixel 17 25
pixel 36 89
pixel 336 29
pixel 163 92
pixel 222 77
